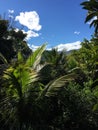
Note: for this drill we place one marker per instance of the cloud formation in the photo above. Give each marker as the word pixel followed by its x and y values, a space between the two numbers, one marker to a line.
pixel 33 47
pixel 10 13
pixel 29 33
pixel 77 32
pixel 68 46
pixel 30 20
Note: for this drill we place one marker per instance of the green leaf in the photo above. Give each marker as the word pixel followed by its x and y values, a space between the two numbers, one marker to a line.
pixel 90 16
pixel 3 59
pixel 35 57
pixel 95 107
pixel 55 86
pixel 20 57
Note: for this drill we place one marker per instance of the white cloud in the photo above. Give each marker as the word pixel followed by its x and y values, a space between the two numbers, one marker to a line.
pixel 29 33
pixel 30 20
pixel 11 16
pixel 92 20
pixel 77 32
pixel 33 47
pixel 10 11
pixel 69 46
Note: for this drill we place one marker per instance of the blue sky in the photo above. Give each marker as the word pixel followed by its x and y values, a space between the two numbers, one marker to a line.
pixel 60 23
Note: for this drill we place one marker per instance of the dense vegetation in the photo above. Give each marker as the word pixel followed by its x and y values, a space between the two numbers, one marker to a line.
pixel 48 90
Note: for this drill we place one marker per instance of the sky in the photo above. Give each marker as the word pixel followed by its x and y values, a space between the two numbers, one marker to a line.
pixel 59 23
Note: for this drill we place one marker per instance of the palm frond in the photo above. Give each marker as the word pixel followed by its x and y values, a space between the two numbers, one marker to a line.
pixel 90 16
pixel 55 86
pixel 35 57
pixel 20 57
pixel 3 59
pixel 20 76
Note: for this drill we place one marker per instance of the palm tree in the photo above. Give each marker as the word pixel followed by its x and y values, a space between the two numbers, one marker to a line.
pixel 23 94
pixel 18 82
pixel 55 65
pixel 92 7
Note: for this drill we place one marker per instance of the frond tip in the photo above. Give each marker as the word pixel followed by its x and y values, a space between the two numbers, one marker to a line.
pixel 35 57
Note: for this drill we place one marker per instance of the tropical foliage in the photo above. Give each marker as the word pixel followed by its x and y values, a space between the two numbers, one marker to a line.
pixel 48 90
pixel 92 7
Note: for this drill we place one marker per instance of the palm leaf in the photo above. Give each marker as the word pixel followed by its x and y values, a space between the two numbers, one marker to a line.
pixel 55 86
pixel 91 5
pixel 20 76
pixel 35 57
pixel 90 16
pixel 3 59
pixel 95 107
pixel 92 23
pixel 20 57
pixel 96 26
pixel 86 5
